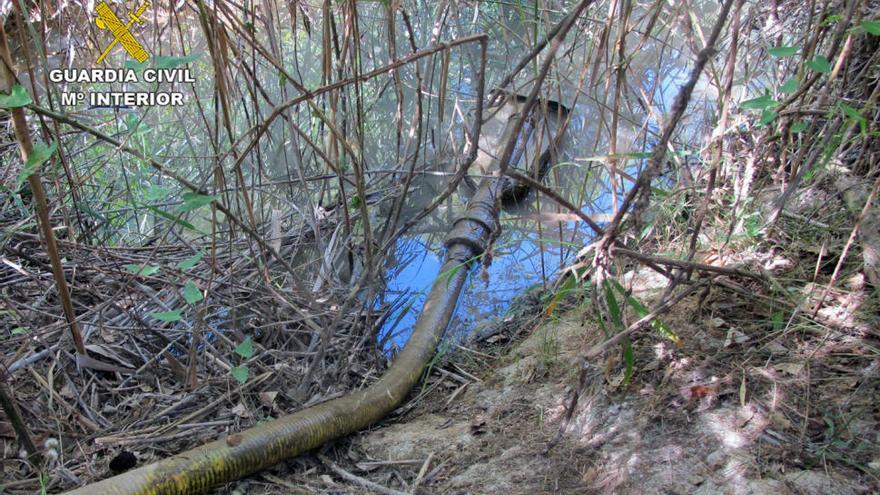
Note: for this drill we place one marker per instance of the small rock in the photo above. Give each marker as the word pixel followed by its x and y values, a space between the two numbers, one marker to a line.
pixel 779 420
pixel 696 479
pixel 267 399
pixel 716 459
pixel 767 487
pixel 241 411
pixel 817 483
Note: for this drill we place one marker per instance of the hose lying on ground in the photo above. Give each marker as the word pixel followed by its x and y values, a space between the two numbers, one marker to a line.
pixel 221 461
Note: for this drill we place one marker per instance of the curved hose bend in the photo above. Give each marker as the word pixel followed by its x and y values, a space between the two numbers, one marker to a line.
pixel 221 461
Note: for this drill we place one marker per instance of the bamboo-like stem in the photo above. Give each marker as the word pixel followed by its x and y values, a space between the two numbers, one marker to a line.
pixel 725 91
pixel 866 209
pixel 521 118
pixel 22 135
pixel 658 155
pixel 620 70
pixel 7 403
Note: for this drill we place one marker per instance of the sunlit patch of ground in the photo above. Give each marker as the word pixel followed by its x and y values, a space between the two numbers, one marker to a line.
pixel 739 408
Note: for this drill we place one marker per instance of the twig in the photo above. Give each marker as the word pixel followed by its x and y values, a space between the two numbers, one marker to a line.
pixel 86 422
pixel 658 156
pixel 422 473
pixel 849 242
pixel 7 402
pixel 645 258
pixel 369 485
pixel 532 183
pixel 648 318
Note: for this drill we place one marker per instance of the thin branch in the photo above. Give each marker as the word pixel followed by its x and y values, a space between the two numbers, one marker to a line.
pixel 648 318
pixel 369 485
pixel 22 134
pixel 658 156
pixel 690 265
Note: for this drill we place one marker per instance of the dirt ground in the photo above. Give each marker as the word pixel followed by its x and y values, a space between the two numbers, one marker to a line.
pixel 738 408
pixel 760 396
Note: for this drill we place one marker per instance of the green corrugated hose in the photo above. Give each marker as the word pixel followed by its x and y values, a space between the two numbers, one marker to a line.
pixel 222 461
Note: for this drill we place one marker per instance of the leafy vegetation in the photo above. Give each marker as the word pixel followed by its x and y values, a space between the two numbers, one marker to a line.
pixel 250 252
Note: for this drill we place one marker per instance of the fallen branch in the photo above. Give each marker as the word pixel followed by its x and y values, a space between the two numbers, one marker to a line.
pixel 690 265
pixel 369 485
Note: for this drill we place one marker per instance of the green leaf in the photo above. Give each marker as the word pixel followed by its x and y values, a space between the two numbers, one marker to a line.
pixel 191 261
pixel 783 51
pixel 685 152
pixel 168 316
pixel 39 154
pixel 789 87
pixel 192 200
pixel 19 330
pixel 639 154
pixel 831 19
pixel 820 64
pixel 777 319
pixel 642 311
pixel 759 103
pixel 871 27
pixel 635 155
pixel 157 193
pixel 16 98
pixel 451 273
pixel 564 290
pixel 171 218
pixel 167 62
pixel 629 359
pixel 240 373
pixel 617 319
pixel 851 112
pixel 191 293
pixel 613 307
pixel 245 349
pixel 799 127
pixel 142 270
pixel 767 116
pixel 854 114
